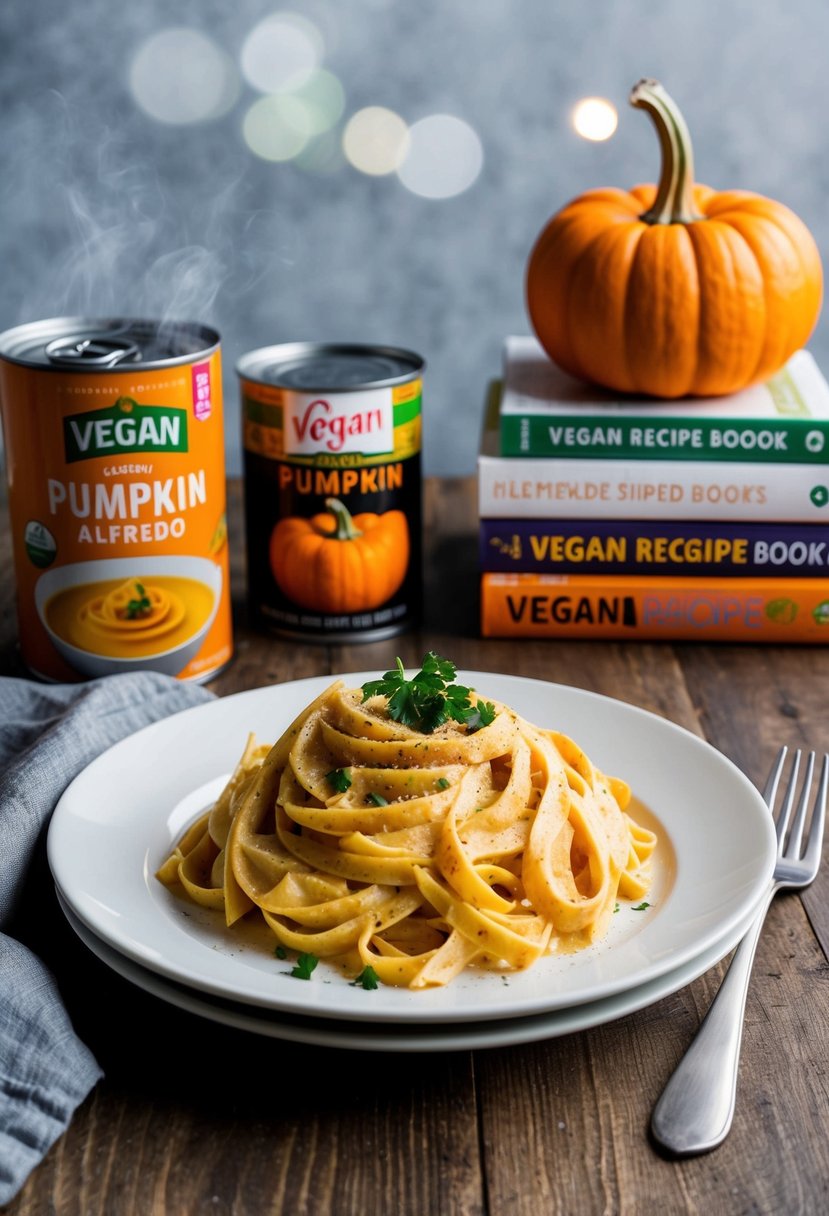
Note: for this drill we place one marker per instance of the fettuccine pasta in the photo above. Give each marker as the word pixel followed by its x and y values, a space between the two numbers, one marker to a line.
pixel 365 842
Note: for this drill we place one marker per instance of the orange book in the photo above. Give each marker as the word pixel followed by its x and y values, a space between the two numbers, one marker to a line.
pixel 644 607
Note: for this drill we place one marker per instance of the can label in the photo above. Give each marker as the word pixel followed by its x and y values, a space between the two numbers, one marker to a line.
pixel 117 499
pixel 333 508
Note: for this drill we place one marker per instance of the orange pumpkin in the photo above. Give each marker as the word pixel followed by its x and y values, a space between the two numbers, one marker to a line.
pixel 673 290
pixel 339 563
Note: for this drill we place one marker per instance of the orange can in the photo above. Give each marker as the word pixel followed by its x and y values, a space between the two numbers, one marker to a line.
pixel 115 460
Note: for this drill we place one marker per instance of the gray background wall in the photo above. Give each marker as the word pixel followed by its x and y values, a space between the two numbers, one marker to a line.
pixel 105 209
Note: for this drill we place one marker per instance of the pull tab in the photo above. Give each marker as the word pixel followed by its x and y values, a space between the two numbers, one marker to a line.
pixel 91 352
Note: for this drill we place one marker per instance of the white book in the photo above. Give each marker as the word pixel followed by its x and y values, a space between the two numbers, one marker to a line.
pixel 527 487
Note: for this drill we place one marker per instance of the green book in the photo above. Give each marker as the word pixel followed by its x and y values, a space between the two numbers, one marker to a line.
pixel 545 412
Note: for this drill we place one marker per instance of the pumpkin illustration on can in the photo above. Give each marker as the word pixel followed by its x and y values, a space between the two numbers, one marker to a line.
pixel 338 563
pixel 676 289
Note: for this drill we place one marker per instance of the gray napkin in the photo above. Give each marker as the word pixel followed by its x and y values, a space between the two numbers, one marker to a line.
pixel 48 734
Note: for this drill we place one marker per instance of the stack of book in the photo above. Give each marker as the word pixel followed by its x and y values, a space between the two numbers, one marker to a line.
pixel 695 519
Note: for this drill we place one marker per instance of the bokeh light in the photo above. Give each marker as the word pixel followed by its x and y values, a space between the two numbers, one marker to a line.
pixel 375 140
pixel 181 76
pixel 595 118
pixel 277 128
pixel 323 97
pixel 281 52
pixel 444 157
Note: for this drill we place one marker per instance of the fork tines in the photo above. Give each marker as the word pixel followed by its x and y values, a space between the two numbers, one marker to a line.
pixel 793 845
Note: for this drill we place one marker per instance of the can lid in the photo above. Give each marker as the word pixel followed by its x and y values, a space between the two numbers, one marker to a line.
pixel 318 367
pixel 91 352
pixel 88 344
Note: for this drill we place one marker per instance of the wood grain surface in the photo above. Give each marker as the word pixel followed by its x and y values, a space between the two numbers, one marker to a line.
pixel 194 1117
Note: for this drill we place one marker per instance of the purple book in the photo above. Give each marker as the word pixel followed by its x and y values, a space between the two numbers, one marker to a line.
pixel 626 546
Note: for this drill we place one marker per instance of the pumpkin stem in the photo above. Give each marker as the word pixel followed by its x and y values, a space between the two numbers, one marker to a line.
pixel 344 528
pixel 674 202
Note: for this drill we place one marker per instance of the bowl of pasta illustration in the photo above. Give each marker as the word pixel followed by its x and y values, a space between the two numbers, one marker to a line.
pixel 129 614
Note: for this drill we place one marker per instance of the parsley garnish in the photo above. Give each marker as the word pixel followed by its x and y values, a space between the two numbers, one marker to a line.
pixel 376 799
pixel 367 979
pixel 339 779
pixel 140 606
pixel 482 715
pixel 305 964
pixel 430 698
pixel 641 907
pixel 281 952
pixel 443 784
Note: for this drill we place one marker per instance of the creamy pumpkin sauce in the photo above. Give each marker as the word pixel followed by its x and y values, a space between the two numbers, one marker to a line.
pixel 130 619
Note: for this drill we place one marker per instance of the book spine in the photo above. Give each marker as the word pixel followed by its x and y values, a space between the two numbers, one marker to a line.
pixel 639 437
pixel 536 488
pixel 651 547
pixel 651 609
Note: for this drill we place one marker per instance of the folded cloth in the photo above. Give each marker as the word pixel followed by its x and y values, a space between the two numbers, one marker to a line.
pixel 48 734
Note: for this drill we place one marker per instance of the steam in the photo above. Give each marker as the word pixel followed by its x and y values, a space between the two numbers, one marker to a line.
pixel 183 286
pixel 122 250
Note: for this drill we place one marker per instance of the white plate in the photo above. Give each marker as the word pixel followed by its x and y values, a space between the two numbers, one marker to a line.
pixel 447 1036
pixel 118 819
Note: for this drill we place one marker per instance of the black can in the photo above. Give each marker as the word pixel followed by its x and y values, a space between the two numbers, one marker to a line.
pixel 333 489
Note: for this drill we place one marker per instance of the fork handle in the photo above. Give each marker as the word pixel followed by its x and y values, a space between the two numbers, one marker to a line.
pixel 696 1108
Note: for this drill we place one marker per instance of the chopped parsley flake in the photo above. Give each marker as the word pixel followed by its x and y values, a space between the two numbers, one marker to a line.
pixel 339 779
pixel 367 979
pixel 305 965
pixel 641 907
pixel 376 799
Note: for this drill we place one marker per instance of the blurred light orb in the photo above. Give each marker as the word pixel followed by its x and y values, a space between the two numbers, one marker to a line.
pixel 277 128
pixel 322 155
pixel 323 97
pixel 595 118
pixel 445 156
pixel 375 140
pixel 281 52
pixel 181 76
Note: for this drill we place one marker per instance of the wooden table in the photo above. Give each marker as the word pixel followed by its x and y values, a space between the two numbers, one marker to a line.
pixel 194 1117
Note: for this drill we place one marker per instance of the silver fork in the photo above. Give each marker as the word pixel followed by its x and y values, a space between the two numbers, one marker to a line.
pixel 696 1108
